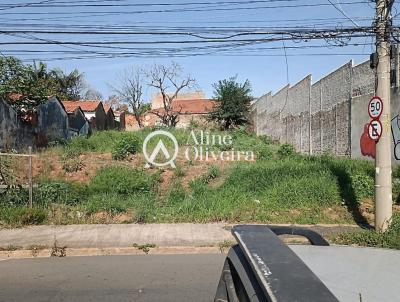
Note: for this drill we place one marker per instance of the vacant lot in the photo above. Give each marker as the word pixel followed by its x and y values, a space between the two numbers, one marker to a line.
pixel 103 179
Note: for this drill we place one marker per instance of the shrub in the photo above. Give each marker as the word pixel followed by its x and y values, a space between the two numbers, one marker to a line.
pixel 61 193
pixel 14 196
pixel 362 185
pixel 126 145
pixel 121 180
pixel 286 150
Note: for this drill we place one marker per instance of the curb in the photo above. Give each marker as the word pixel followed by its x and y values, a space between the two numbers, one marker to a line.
pixel 80 252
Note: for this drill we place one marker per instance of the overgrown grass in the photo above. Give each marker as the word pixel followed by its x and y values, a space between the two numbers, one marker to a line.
pixel 280 187
pixel 371 238
pixel 265 191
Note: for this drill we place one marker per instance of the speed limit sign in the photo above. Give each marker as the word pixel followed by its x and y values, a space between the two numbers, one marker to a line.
pixel 375 107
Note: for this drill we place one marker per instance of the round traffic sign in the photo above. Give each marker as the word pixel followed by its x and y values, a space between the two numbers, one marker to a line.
pixel 375 130
pixel 375 107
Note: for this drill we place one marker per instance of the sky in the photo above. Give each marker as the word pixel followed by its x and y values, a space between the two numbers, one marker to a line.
pixel 266 69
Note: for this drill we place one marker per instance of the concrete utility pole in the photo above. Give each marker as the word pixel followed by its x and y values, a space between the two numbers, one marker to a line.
pixel 383 167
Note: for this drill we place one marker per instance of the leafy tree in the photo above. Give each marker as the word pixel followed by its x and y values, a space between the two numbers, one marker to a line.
pixel 232 103
pixel 26 86
pixel 69 85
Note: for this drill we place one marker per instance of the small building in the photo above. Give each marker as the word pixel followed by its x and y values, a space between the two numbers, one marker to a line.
pixel 52 122
pixel 110 118
pixel 94 112
pixel 78 123
pixel 120 119
pixel 14 134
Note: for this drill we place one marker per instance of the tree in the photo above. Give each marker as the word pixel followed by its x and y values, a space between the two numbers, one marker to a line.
pixel 69 85
pixel 28 85
pixel 232 103
pixel 92 94
pixel 130 91
pixel 164 78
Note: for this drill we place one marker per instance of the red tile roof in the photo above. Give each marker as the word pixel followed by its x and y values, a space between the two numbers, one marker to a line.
pixel 86 106
pixel 196 106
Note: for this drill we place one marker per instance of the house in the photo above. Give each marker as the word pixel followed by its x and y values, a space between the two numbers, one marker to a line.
pixel 78 123
pixel 52 122
pixel 191 107
pixel 110 117
pixel 93 110
pixel 188 110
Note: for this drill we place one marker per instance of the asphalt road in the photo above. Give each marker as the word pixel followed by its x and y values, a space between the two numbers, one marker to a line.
pixel 138 278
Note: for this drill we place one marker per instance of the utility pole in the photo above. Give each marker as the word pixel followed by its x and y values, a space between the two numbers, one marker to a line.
pixel 383 167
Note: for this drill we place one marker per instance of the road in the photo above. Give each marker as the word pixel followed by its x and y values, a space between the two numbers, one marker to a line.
pixel 138 278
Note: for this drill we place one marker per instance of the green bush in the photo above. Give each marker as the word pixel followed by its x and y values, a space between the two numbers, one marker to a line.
pixel 125 146
pixel 362 185
pixel 121 180
pixel 68 193
pixel 286 150
pixel 13 196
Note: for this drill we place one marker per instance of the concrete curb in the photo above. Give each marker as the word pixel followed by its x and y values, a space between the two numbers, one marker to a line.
pixel 80 252
pixel 111 236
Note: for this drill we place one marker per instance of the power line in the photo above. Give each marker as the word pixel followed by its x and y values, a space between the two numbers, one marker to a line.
pixel 180 10
pixel 343 13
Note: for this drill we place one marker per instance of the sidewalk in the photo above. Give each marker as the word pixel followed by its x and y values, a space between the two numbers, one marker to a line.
pixel 125 235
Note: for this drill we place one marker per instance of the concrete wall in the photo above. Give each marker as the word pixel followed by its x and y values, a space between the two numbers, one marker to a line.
pixel 360 118
pixel 316 117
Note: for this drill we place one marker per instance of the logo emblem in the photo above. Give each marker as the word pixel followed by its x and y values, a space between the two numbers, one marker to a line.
pixel 160 147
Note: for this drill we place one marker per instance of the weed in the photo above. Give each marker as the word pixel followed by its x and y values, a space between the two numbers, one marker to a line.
pixel 179 172
pixel 372 238
pixel 11 248
pixel 144 247
pixel 72 165
pixel 225 245
pixel 286 150
pixel 58 251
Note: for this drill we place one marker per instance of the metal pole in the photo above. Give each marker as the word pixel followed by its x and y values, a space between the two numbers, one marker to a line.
pixel 383 168
pixel 30 184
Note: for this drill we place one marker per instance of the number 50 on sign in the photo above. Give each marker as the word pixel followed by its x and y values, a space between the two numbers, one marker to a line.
pixel 375 107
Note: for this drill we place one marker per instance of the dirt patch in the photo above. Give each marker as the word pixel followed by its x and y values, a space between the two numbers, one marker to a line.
pixel 367 210
pixel 49 165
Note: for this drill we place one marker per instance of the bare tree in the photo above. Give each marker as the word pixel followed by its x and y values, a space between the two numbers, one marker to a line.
pixel 130 91
pixel 169 82
pixel 92 94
